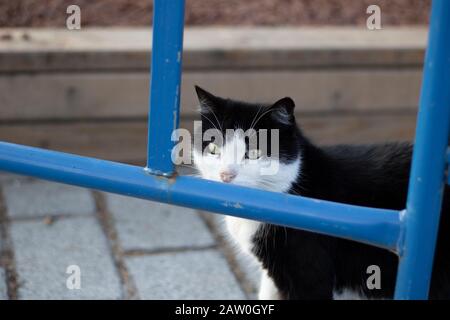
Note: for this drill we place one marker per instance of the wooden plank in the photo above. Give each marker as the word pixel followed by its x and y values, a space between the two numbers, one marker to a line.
pixel 25 50
pixel 125 141
pixel 119 141
pixel 73 96
pixel 125 95
pixel 356 129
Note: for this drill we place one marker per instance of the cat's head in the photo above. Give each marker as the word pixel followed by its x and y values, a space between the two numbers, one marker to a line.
pixel 253 145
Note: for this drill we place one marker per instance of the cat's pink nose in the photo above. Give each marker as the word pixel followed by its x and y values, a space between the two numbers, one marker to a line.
pixel 227 176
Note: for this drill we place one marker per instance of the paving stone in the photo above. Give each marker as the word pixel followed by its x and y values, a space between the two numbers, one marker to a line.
pixel 6 177
pixel 201 274
pixel 148 225
pixel 37 198
pixel 3 293
pixel 43 253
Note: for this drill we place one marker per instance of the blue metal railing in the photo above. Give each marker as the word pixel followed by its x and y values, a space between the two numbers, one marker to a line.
pixel 411 233
pixel 168 25
pixel 427 178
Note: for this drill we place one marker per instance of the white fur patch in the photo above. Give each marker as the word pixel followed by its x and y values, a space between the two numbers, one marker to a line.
pixel 348 294
pixel 242 231
pixel 267 289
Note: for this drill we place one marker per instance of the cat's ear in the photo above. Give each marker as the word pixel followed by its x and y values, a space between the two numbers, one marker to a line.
pixel 207 100
pixel 283 110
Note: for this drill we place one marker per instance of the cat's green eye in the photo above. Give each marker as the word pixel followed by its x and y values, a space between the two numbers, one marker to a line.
pixel 254 154
pixel 214 149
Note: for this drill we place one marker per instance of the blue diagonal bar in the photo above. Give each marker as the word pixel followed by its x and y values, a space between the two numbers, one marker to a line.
pixel 429 160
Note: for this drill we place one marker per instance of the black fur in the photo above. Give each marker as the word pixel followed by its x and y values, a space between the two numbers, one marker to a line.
pixel 306 265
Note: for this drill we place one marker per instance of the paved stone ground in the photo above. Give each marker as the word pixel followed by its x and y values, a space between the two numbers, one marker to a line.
pixel 122 248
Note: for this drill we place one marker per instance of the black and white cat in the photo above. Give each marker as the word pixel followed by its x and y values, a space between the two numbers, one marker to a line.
pixel 298 264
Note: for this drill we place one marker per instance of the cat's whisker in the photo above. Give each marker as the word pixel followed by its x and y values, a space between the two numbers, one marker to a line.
pixel 192 175
pixel 262 115
pixel 202 115
pixel 256 115
pixel 256 122
pixel 204 103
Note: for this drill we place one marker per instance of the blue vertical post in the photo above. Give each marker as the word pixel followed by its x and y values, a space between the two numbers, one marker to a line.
pixel 165 83
pixel 429 160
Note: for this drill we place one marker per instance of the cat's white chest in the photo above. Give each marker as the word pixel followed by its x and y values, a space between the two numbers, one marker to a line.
pixel 242 231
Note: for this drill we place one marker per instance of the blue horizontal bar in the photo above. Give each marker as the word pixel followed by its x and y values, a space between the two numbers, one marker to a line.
pixel 379 227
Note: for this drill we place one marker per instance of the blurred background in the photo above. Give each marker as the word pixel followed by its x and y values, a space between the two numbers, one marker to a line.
pixel 86 92
pixel 47 13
